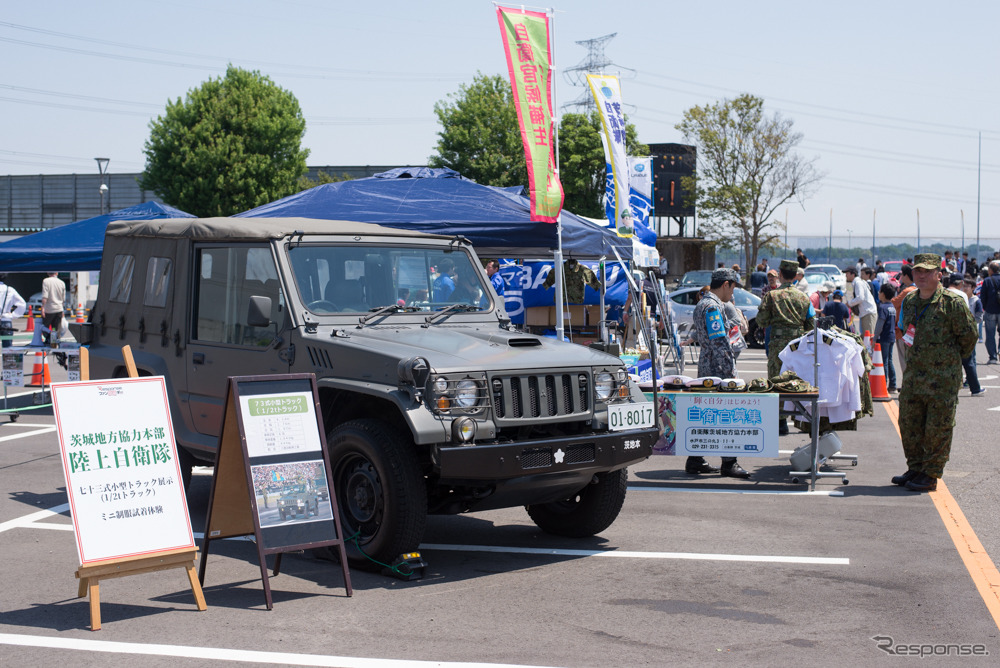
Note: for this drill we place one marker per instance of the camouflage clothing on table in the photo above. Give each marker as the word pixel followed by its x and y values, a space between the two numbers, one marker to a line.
pixel 711 331
pixel 789 314
pixel 577 277
pixel 944 334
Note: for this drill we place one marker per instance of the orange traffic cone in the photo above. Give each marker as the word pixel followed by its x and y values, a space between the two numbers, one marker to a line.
pixel 867 339
pixel 31 322
pixel 79 313
pixel 40 372
pixel 877 377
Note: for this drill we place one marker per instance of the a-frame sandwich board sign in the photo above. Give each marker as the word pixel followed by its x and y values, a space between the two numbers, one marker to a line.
pixel 272 473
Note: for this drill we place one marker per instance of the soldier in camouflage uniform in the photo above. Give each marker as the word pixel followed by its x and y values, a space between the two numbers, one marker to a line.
pixel 939 331
pixel 716 358
pixel 576 277
pixel 789 314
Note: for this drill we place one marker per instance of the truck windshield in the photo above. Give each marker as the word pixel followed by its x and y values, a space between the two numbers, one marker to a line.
pixel 352 279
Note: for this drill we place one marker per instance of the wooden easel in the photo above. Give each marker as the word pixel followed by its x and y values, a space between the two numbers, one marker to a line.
pixel 91 575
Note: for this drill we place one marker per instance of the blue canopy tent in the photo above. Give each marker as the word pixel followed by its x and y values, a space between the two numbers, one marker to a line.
pixel 441 201
pixel 77 246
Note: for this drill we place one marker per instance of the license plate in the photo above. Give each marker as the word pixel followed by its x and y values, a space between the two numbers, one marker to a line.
pixel 630 416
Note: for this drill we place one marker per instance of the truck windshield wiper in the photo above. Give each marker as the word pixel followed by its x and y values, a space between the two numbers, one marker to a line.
pixel 461 306
pixel 385 310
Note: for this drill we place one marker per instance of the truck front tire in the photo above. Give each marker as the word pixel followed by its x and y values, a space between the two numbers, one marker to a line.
pixel 590 511
pixel 381 493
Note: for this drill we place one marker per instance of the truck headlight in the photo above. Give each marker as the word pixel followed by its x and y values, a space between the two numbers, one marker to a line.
pixel 440 385
pixel 604 385
pixel 467 394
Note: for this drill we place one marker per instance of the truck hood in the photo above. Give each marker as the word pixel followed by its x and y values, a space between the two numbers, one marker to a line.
pixel 457 347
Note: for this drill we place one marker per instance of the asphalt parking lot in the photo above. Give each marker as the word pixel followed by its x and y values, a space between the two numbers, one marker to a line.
pixel 695 571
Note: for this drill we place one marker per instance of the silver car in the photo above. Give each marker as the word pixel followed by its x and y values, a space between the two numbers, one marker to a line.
pixel 685 299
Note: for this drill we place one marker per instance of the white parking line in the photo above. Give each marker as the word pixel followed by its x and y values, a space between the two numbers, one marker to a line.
pixel 28 520
pixel 220 654
pixel 626 554
pixel 720 490
pixel 42 430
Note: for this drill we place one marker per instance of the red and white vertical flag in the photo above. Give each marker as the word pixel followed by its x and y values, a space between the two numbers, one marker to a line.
pixel 529 60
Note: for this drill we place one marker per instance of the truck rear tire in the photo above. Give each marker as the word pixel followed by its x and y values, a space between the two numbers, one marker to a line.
pixel 590 511
pixel 380 491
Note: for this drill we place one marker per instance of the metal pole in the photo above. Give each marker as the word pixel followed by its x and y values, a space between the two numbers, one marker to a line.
pixel 918 230
pixel 829 249
pixel 786 228
pixel 873 240
pixel 963 234
pixel 849 241
pixel 979 182
pixel 560 328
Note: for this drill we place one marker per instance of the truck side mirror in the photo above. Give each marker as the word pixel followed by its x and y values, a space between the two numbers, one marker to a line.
pixel 259 312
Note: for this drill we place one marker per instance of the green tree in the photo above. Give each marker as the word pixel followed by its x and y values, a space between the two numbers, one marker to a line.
pixel 581 161
pixel 480 139
pixel 747 168
pixel 479 136
pixel 305 183
pixel 232 144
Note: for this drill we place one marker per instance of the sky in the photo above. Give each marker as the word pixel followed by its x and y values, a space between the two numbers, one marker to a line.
pixel 891 97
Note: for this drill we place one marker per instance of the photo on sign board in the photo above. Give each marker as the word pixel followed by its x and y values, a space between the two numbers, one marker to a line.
pixel 291 493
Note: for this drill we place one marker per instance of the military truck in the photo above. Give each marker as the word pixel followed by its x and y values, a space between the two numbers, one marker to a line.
pixel 296 500
pixel 432 401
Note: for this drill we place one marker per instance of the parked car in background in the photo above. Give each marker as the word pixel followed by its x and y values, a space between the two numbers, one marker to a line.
pixel 831 270
pixel 893 267
pixel 815 280
pixel 36 306
pixel 696 278
pixel 685 299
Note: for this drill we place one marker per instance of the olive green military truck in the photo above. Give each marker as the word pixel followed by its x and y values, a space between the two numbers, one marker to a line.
pixel 432 401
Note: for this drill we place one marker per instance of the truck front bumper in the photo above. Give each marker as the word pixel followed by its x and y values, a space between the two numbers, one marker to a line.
pixel 569 456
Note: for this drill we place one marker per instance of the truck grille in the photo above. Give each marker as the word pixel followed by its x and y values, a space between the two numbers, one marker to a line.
pixel 537 458
pixel 532 396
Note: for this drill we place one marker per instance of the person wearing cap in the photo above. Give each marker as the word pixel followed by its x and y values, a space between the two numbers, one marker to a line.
pixel 956 284
pixel 862 300
pixel 789 314
pixel 837 309
pixel 12 305
pixel 939 331
pixel 712 331
pixel 820 297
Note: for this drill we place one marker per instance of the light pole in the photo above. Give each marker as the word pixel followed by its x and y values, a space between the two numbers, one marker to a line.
pixel 874 262
pixel 102 169
pixel 918 230
pixel 849 246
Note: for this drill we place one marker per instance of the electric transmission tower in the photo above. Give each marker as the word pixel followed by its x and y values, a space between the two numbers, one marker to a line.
pixel 596 62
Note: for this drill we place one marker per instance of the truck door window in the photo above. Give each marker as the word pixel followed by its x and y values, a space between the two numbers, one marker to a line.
pixel 226 278
pixel 121 278
pixel 157 281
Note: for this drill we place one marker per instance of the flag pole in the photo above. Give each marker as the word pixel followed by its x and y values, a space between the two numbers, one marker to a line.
pixel 558 259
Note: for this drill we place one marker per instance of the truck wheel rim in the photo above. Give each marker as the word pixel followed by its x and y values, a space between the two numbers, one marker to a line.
pixel 362 495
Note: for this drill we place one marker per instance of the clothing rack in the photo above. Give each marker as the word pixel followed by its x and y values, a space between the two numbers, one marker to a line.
pixel 812 414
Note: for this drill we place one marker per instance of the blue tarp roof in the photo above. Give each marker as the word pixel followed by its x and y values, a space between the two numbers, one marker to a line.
pixel 77 246
pixel 441 201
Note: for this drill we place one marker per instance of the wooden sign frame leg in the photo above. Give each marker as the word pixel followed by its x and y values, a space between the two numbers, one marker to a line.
pixel 92 574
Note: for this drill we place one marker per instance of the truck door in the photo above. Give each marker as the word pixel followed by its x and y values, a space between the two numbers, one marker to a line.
pixel 221 343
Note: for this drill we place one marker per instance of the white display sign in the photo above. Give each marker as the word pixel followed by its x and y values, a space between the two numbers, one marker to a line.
pixel 13 369
pixel 279 424
pixel 730 425
pixel 123 478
